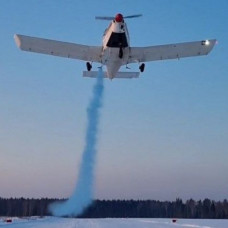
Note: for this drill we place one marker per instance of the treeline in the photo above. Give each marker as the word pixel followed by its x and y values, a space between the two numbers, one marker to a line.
pixel 123 208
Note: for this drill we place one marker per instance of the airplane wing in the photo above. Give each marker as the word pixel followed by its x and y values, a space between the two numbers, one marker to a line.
pixel 58 48
pixel 170 51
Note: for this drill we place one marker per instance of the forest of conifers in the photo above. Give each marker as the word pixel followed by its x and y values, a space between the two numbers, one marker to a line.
pixel 123 208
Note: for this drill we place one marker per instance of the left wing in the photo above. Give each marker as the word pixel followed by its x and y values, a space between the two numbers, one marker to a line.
pixel 58 48
pixel 170 51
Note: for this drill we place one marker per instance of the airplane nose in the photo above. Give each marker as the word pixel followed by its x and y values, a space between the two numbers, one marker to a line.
pixel 119 17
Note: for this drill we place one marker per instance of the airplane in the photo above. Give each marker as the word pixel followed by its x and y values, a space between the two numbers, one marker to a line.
pixel 115 51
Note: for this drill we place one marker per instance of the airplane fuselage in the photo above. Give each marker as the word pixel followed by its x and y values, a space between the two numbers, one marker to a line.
pixel 115 50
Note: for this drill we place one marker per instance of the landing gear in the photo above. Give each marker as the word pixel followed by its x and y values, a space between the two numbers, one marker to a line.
pixel 121 53
pixel 89 66
pixel 142 67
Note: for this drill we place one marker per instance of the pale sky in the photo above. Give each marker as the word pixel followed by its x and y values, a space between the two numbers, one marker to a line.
pixel 162 136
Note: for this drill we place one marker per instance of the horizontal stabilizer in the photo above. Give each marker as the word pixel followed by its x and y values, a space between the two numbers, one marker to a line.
pixel 93 74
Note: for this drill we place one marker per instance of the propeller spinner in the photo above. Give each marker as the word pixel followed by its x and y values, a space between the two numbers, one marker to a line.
pixel 119 17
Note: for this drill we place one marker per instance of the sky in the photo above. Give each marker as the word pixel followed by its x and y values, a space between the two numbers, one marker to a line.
pixel 161 136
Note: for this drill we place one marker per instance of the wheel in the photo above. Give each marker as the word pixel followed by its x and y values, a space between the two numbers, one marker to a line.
pixel 121 53
pixel 88 66
pixel 142 67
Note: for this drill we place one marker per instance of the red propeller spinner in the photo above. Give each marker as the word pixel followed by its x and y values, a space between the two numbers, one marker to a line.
pixel 119 17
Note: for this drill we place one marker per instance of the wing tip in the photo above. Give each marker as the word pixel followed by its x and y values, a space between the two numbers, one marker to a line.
pixel 17 40
pixel 209 45
pixel 213 43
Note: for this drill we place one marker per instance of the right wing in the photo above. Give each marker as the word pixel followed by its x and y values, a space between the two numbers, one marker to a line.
pixel 170 51
pixel 58 48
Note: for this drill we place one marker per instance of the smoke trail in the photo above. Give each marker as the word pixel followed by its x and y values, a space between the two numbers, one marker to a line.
pixel 83 193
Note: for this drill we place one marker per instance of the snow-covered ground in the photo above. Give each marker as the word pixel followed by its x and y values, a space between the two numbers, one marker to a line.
pixel 52 222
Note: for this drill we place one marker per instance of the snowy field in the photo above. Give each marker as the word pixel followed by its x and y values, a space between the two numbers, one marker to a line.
pixel 53 222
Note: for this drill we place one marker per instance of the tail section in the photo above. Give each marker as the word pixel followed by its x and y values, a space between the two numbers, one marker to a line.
pixel 93 74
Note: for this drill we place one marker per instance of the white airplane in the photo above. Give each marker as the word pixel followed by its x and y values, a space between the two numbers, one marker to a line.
pixel 115 51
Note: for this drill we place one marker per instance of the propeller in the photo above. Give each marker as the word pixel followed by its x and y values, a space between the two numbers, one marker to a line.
pixel 119 17
pixel 104 18
pixel 133 16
